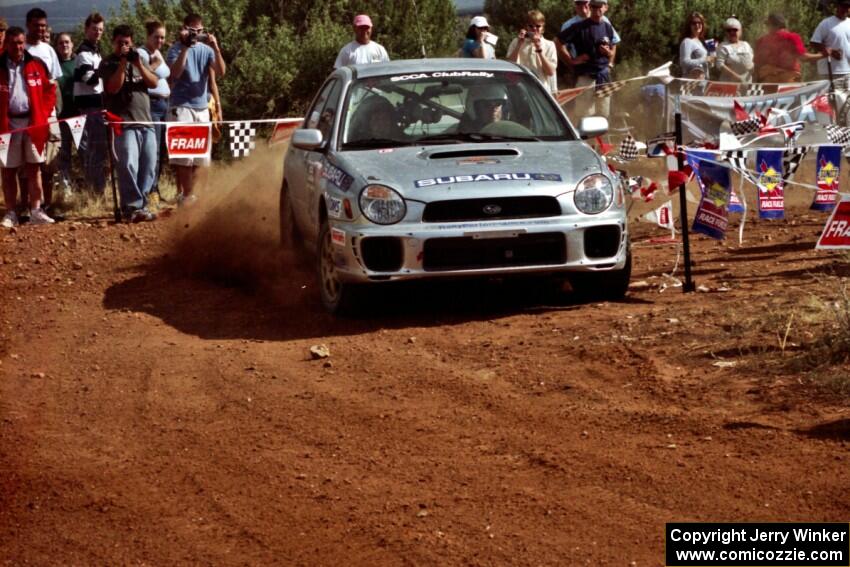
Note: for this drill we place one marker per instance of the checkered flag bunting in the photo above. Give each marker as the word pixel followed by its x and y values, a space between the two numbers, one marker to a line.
pixel 838 134
pixel 628 149
pixel 242 136
pixel 687 87
pixel 751 89
pixel 744 127
pixel 738 160
pixel 791 160
pixel 608 89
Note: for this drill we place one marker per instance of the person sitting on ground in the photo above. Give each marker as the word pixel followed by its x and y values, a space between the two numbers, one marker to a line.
pixel 694 58
pixel 362 50
pixel 534 51
pixel 479 42
pixel 27 99
pixel 778 53
pixel 126 80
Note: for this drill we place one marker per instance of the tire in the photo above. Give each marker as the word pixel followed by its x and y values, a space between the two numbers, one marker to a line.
pixel 338 297
pixel 603 286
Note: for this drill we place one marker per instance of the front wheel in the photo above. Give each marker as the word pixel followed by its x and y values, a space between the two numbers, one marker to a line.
pixel 338 297
pixel 603 286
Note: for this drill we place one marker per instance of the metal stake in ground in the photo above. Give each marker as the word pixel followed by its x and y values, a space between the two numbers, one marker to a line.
pixel 116 212
pixel 683 209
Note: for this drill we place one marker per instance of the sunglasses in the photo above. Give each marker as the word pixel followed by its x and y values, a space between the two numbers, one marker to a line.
pixel 731 30
pixel 535 26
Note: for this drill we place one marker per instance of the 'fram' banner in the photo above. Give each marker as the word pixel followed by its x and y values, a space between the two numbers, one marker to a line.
pixel 836 233
pixel 771 187
pixel 829 175
pixel 188 140
pixel 712 215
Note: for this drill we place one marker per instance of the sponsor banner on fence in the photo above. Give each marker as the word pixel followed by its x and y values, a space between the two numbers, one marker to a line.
pixel 836 233
pixel 712 216
pixel 828 170
pixel 702 115
pixel 696 159
pixel 77 124
pixel 188 140
pixel 771 187
pixel 735 204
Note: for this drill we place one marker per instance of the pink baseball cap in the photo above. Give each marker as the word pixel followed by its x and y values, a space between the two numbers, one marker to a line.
pixel 362 20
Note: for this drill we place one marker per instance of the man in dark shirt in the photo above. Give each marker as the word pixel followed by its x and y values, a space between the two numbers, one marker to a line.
pixel 126 80
pixel 592 39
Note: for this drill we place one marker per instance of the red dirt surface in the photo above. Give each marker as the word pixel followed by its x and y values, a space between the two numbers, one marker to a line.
pixel 159 405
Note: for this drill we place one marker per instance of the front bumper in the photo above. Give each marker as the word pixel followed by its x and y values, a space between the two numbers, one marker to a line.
pixel 407 251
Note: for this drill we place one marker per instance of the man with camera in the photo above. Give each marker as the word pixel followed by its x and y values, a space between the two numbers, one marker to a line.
pixel 191 59
pixel 126 80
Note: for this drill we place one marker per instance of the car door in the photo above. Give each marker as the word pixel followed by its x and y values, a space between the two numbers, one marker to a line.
pixel 298 161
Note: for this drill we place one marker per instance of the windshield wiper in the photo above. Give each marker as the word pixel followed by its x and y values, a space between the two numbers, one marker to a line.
pixel 374 143
pixel 460 137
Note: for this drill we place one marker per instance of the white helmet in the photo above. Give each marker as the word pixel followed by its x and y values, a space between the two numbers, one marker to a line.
pixel 481 94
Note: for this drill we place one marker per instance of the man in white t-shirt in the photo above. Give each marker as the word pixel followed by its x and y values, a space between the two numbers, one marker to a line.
pixel 36 27
pixel 362 50
pixel 832 37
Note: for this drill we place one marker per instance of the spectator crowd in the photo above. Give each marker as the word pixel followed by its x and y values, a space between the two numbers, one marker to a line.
pixel 137 86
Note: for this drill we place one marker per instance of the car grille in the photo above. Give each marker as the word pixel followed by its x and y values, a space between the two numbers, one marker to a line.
pixel 467 253
pixel 496 208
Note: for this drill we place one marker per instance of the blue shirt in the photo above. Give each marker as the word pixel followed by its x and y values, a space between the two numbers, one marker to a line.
pixel 586 36
pixel 615 39
pixel 192 88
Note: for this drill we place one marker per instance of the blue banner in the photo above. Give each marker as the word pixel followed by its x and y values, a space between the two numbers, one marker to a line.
pixel 695 160
pixel 771 187
pixel 828 177
pixel 712 216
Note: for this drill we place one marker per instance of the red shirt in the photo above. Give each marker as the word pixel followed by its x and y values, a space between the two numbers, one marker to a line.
pixel 780 48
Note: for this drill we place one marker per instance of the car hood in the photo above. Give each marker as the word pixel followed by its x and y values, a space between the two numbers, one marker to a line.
pixel 458 171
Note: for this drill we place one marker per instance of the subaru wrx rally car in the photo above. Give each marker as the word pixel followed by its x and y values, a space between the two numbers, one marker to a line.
pixel 450 168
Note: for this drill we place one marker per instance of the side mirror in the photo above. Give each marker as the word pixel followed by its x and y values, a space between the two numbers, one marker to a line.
pixel 307 139
pixel 592 126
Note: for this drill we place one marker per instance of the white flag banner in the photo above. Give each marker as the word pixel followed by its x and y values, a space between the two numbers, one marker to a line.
pixel 662 216
pixel 4 147
pixel 77 124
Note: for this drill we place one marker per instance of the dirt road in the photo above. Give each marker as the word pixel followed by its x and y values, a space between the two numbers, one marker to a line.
pixel 158 404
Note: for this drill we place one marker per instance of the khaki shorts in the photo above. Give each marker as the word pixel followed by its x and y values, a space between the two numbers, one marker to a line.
pixel 21 149
pixel 189 115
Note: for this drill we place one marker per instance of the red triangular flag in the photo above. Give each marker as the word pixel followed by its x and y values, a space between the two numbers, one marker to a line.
pixel 603 147
pixel 740 113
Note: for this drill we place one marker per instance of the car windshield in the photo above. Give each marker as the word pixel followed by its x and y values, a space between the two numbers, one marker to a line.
pixel 450 107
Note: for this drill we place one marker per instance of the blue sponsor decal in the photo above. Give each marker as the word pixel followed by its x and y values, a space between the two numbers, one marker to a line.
pixel 337 176
pixel 485 178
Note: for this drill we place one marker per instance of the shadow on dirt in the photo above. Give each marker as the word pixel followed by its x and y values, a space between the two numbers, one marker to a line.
pixel 838 430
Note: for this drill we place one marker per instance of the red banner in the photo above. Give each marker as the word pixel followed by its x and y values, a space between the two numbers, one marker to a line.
pixel 283 131
pixel 188 140
pixel 836 233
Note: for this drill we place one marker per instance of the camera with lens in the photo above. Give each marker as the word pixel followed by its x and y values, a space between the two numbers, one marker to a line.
pixel 194 36
pixel 132 56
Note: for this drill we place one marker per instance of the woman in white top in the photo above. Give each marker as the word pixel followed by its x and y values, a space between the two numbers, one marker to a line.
pixel 734 56
pixel 693 55
pixel 534 51
pixel 152 57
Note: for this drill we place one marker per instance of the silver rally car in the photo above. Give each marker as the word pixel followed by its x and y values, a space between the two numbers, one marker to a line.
pixel 450 168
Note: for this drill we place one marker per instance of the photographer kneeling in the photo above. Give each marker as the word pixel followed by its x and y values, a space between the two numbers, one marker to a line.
pixel 126 82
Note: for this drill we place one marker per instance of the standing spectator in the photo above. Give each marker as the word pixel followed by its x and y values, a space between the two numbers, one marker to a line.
pixel 694 59
pixel 155 61
pixel 778 53
pixel 190 61
pixel 3 27
pixel 362 50
pixel 88 98
pixel 734 56
pixel 832 39
pixel 594 53
pixel 479 41
pixel 536 52
pixel 27 99
pixel 582 12
pixel 126 81
pixel 65 51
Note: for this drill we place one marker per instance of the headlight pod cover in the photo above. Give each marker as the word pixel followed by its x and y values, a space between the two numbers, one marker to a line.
pixel 382 205
pixel 594 194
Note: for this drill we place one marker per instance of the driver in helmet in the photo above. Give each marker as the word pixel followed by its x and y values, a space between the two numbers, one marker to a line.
pixel 485 105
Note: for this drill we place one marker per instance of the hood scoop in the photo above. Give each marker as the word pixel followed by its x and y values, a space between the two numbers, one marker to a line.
pixel 483 152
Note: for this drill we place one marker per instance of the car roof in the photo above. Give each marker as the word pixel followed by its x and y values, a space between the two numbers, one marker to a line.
pixel 405 66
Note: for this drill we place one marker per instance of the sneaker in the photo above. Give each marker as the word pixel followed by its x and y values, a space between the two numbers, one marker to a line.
pixel 37 216
pixel 153 201
pixel 142 215
pixel 183 201
pixel 10 220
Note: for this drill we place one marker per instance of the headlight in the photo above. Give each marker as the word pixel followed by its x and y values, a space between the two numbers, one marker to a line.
pixel 382 205
pixel 594 194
